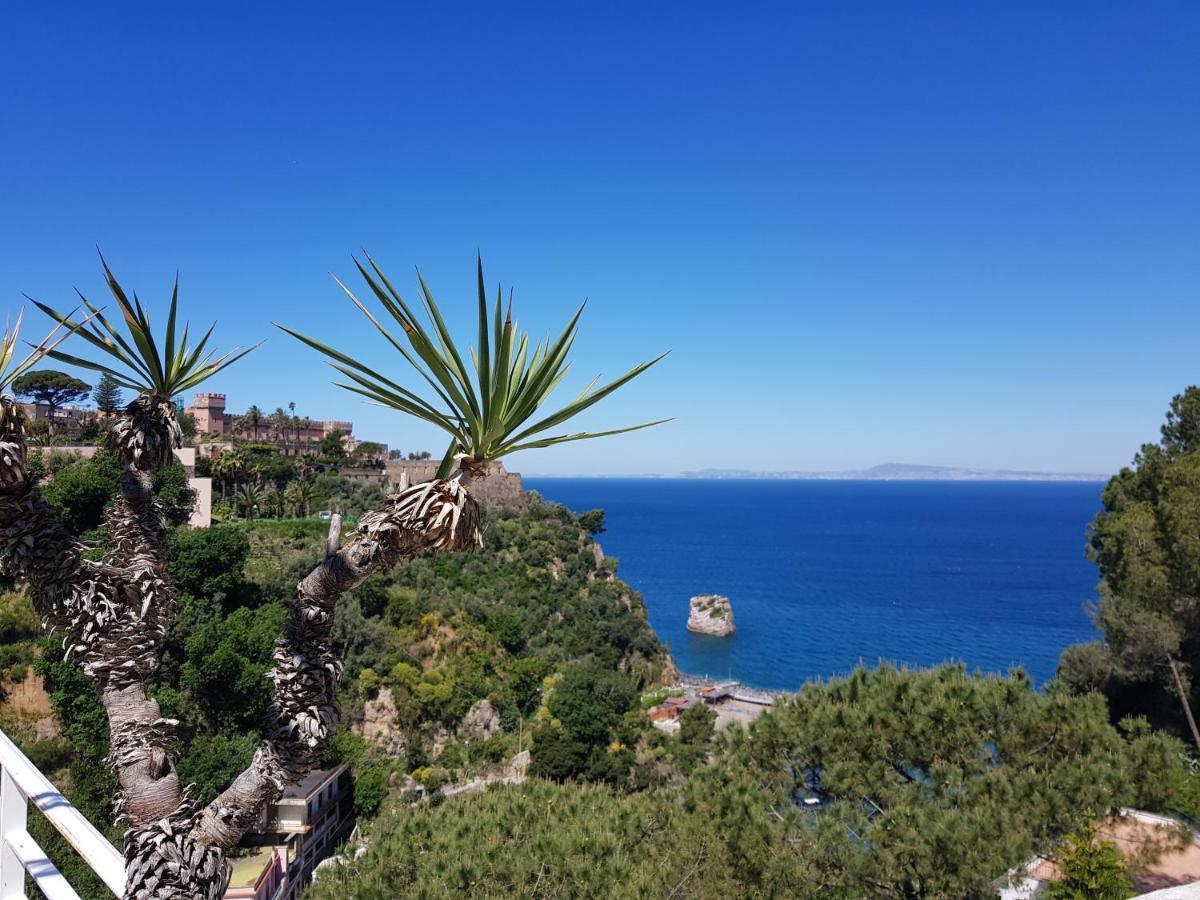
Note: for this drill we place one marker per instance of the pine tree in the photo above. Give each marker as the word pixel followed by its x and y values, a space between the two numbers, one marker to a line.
pixel 1145 544
pixel 107 395
pixel 1092 869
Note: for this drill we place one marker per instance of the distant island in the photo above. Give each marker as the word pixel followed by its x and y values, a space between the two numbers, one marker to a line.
pixel 903 472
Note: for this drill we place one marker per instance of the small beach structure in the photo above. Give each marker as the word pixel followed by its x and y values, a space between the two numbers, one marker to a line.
pixel 713 694
pixel 668 711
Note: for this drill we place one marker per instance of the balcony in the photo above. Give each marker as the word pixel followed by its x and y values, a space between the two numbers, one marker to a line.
pixel 23 786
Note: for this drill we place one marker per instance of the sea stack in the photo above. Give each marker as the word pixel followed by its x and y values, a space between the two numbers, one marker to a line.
pixel 710 614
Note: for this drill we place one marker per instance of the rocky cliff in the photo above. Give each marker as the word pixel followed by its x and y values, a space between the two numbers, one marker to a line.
pixel 500 488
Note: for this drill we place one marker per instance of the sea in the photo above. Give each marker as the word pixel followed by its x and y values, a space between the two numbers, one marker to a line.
pixel 824 575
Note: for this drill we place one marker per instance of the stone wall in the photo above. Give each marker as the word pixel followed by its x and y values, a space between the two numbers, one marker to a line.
pixel 501 489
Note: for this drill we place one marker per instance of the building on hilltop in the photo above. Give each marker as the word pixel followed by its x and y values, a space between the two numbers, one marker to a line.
pixel 209 413
pixel 40 412
pixel 294 437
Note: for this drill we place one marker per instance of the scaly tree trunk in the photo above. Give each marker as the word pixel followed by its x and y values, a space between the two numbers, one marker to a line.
pixel 436 516
pixel 115 614
pixel 1183 699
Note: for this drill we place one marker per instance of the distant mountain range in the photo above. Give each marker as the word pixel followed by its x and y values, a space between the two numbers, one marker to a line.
pixel 904 472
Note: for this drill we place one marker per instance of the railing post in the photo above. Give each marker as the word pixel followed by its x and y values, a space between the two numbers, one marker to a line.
pixel 13 810
pixel 21 786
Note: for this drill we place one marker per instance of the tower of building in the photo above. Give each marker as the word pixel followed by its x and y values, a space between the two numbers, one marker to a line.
pixel 209 410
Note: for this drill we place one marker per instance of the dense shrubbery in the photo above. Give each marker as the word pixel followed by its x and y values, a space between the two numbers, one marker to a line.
pixel 1092 869
pixel 923 784
pixel 81 488
pixel 440 633
pixel 538 840
pixel 19 628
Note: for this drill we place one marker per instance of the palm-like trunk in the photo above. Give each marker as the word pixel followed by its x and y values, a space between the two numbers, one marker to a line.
pixel 436 516
pixel 1183 699
pixel 116 612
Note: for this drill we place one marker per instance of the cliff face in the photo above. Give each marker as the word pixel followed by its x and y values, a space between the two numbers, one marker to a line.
pixel 710 614
pixel 379 726
pixel 501 489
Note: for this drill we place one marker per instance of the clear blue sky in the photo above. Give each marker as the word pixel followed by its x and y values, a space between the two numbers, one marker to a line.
pixel 960 233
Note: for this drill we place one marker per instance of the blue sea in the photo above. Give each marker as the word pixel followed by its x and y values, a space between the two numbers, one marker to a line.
pixel 824 574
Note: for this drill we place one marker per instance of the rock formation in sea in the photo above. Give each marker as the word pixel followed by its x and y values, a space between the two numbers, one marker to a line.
pixel 710 614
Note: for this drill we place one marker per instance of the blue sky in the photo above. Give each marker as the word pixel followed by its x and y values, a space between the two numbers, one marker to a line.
pixel 950 233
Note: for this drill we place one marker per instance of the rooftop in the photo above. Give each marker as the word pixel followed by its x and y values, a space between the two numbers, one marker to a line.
pixel 247 869
pixel 312 783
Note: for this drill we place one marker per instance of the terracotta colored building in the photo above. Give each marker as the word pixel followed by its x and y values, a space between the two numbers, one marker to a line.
pixel 301 437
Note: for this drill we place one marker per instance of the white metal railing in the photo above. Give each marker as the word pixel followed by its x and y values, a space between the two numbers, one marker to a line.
pixel 21 784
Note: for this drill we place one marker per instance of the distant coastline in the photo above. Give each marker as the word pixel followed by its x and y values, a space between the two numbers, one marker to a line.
pixel 904 472
pixel 884 472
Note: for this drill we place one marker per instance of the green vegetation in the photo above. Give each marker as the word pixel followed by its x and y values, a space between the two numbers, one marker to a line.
pixel 443 633
pixel 909 784
pixel 82 488
pixel 538 840
pixel 333 445
pixel 51 388
pixel 1091 869
pixel 19 629
pixel 592 521
pixel 1146 543
pixel 257 482
pixel 107 395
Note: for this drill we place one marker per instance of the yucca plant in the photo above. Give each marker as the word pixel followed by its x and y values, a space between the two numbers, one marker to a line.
pixel 115 612
pixel 12 419
pixel 489 409
pixel 148 432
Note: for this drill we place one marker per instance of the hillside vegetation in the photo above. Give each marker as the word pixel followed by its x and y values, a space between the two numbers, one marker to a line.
pixel 910 784
pixel 913 784
pixel 536 604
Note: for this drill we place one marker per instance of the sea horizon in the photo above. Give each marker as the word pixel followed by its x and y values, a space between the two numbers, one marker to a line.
pixel 542 476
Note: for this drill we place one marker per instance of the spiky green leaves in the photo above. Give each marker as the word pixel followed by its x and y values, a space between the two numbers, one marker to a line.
pixel 488 408
pixel 136 362
pixel 12 418
pixel 10 372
